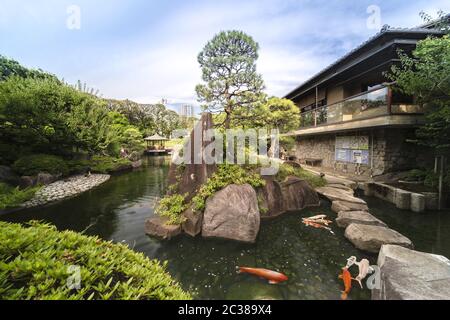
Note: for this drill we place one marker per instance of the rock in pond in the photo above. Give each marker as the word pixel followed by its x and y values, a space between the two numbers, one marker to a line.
pixel 193 224
pixel 339 206
pixel 298 194
pixel 232 213
pixel 346 218
pixel 334 194
pixel 158 227
pixel 271 199
pixel 371 238
pixel 411 275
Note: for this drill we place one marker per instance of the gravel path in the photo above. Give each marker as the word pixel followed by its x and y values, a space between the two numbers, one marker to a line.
pixel 65 188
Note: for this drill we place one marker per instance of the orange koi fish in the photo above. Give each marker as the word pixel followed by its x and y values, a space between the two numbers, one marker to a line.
pixel 316 225
pixel 347 279
pixel 272 276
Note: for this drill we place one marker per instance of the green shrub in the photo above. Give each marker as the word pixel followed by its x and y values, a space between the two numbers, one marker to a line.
pixel 225 175
pixel 286 170
pixel 172 207
pixel 34 164
pixel 104 164
pixel 416 175
pixel 37 267
pixel 78 166
pixel 11 197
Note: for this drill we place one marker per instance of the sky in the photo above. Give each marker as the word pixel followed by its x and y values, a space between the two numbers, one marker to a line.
pixel 146 50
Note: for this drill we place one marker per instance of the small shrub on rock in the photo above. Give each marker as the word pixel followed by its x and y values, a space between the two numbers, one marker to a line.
pixel 172 207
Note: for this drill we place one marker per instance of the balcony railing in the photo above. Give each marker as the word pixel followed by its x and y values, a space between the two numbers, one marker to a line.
pixel 370 104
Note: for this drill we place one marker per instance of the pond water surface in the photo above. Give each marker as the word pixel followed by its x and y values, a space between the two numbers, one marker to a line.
pixel 117 211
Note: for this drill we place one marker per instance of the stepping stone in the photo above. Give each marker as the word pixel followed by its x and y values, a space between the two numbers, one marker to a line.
pixel 341 187
pixel 346 218
pixel 371 238
pixel 338 194
pixel 159 228
pixel 412 275
pixel 339 206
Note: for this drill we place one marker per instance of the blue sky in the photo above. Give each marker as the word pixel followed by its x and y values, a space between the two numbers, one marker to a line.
pixel 146 50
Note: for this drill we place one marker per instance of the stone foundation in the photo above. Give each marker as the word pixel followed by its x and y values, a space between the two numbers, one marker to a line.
pixel 388 149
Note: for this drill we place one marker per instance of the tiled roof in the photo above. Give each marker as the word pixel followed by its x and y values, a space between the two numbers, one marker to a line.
pixel 385 30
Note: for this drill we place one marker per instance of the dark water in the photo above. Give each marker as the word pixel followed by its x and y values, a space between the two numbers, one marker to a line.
pixel 429 231
pixel 117 210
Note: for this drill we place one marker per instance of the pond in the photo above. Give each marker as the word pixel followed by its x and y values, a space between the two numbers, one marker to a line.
pixel 429 231
pixel 117 211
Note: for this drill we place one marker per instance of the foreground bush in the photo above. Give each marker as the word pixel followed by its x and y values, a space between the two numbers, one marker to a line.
pixel 35 263
pixel 34 164
pixel 11 197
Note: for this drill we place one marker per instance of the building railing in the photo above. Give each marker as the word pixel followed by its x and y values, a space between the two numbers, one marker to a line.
pixel 369 104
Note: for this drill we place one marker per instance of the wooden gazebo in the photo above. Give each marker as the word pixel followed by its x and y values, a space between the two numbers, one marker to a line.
pixel 156 144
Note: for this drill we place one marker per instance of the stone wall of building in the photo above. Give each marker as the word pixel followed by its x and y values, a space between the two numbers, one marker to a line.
pixel 389 150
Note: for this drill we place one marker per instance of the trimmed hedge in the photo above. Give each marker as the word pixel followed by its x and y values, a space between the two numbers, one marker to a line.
pixel 35 263
pixel 34 164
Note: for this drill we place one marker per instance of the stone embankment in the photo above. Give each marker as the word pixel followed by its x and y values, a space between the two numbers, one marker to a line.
pixel 65 188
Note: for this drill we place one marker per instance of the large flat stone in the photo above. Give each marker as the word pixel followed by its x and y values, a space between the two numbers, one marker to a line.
pixel 412 275
pixel 371 238
pixel 334 194
pixel 346 218
pixel 158 227
pixel 232 213
pixel 339 206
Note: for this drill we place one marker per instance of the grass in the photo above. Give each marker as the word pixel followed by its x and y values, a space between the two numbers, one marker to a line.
pixel 11 197
pixel 37 267
pixel 286 170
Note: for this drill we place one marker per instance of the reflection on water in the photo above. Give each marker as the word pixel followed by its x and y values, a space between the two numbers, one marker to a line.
pixel 117 210
pixel 429 231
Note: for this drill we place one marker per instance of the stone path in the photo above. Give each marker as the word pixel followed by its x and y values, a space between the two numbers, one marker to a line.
pixel 366 232
pixel 65 188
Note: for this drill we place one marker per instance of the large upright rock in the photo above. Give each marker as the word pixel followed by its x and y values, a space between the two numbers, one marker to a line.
pixel 298 194
pixel 270 198
pixel 195 169
pixel 232 213
pixel 412 275
pixel 371 238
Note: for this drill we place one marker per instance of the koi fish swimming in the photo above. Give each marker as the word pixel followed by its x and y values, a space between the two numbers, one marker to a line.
pixel 272 276
pixel 317 225
pixel 347 279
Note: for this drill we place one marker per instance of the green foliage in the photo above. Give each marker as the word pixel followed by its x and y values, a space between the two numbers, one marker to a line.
pixel 11 197
pixel 35 264
pixel 425 75
pixel 34 164
pixel 172 208
pixel 286 170
pixel 10 68
pixel 416 175
pixel 228 64
pixel 104 164
pixel 225 175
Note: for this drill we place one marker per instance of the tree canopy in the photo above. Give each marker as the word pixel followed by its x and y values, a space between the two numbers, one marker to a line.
pixel 228 64
pixel 426 76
